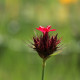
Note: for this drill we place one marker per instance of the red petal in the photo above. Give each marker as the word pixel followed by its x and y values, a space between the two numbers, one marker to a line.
pixel 52 30
pixel 37 28
pixel 48 27
pixel 41 27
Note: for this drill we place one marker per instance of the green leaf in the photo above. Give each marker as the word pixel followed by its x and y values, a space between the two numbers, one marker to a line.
pixel 56 53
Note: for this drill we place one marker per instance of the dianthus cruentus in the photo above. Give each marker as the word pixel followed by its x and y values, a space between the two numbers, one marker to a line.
pixel 45 44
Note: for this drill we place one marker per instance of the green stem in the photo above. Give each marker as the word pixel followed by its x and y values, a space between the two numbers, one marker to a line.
pixel 43 67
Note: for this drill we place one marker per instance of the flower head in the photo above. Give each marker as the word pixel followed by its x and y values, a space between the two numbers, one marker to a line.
pixel 44 30
pixel 44 44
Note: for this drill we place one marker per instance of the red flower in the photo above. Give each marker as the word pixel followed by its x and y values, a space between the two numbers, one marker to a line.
pixel 44 30
pixel 44 44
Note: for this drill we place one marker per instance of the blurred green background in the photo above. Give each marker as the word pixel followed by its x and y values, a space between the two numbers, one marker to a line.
pixel 18 20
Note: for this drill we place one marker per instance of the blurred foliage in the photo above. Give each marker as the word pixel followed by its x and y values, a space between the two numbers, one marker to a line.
pixel 18 20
